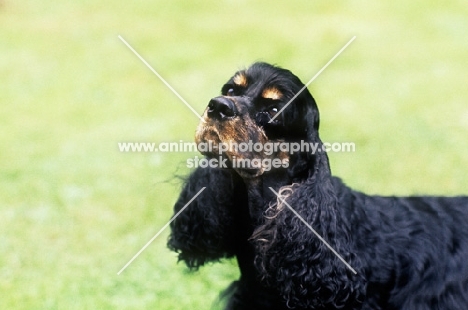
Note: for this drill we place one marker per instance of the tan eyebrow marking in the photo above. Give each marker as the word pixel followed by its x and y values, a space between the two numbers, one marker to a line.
pixel 240 79
pixel 272 93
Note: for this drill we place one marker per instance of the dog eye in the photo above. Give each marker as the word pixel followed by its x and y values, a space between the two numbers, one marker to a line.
pixel 273 111
pixel 230 92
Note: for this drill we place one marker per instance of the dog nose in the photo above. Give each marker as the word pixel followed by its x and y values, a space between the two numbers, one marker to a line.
pixel 221 108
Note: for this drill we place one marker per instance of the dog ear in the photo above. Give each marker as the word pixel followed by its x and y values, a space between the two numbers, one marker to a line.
pixel 298 263
pixel 302 122
pixel 294 260
pixel 207 229
pixel 306 272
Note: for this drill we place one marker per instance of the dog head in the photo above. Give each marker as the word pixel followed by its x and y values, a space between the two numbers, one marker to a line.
pixel 261 105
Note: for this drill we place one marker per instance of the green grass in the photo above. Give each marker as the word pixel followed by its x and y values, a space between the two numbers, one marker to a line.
pixel 74 209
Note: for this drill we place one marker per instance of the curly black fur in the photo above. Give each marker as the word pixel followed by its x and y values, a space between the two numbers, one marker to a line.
pixel 408 252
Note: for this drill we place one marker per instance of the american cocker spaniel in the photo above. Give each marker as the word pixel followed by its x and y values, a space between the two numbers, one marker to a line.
pixel 302 238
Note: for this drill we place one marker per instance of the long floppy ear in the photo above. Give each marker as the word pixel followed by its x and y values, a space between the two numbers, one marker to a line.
pixel 302 121
pixel 289 255
pixel 208 229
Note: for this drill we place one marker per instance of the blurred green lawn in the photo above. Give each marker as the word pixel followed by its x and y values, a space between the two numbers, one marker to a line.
pixel 74 210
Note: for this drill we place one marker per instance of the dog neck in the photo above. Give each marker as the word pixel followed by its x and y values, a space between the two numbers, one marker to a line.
pixel 260 195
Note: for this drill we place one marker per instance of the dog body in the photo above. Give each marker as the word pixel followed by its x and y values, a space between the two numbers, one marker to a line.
pixel 390 252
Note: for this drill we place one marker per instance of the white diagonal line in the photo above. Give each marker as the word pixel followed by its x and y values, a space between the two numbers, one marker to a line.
pixel 312 79
pixel 160 231
pixel 161 78
pixel 313 230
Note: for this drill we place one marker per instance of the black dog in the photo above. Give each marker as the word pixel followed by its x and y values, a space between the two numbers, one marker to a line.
pixel 400 253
